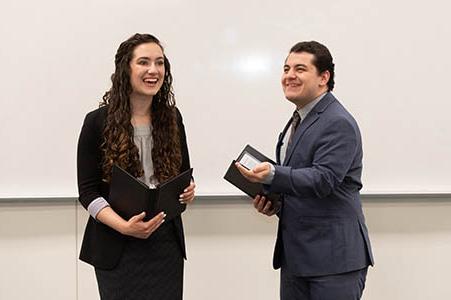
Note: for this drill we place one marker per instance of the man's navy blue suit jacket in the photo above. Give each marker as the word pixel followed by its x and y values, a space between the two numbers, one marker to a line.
pixel 322 228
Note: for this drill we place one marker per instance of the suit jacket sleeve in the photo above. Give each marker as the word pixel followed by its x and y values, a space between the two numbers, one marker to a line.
pixel 333 154
pixel 89 171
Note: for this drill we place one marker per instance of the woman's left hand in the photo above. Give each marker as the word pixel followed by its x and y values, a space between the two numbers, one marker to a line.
pixel 188 194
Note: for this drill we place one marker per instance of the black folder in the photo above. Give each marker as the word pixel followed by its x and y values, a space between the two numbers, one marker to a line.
pixel 252 189
pixel 130 196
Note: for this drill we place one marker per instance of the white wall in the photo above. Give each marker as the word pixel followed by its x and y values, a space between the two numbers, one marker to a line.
pixel 230 250
pixel 392 69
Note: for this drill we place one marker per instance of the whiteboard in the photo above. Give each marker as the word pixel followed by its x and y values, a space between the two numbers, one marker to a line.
pixel 392 70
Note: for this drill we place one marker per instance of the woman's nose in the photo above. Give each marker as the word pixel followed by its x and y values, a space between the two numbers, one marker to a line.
pixel 152 68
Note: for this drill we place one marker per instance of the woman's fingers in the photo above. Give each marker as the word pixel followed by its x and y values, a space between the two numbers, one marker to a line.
pixel 140 229
pixel 188 194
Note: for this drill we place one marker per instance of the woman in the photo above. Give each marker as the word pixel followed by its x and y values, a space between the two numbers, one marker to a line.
pixel 138 128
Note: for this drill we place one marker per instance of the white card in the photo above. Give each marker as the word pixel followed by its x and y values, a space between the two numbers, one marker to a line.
pixel 248 161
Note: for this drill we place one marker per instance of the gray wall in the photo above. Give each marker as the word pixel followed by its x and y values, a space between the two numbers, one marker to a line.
pixel 230 250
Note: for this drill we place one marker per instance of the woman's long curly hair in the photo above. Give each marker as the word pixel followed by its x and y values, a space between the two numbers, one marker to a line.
pixel 118 146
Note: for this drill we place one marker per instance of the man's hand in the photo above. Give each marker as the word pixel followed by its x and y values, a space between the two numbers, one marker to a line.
pixel 264 206
pixel 257 174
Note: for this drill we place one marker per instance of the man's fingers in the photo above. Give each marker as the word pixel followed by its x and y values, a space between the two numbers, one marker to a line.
pixel 260 168
pixel 267 208
pixel 242 169
pixel 261 204
pixel 256 201
pixel 245 172
pixel 257 174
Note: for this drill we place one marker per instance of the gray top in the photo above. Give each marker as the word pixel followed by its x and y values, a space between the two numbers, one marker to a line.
pixel 143 140
pixel 142 137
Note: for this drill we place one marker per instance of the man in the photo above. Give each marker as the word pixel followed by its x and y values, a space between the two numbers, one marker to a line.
pixel 322 244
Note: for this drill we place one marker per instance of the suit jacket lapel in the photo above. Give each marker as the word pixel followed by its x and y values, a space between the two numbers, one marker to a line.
pixel 280 141
pixel 309 120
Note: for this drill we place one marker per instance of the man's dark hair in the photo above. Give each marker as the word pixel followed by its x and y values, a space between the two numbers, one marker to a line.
pixel 322 58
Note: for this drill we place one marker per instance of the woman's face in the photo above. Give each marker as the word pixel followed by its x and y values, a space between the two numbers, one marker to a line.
pixel 147 70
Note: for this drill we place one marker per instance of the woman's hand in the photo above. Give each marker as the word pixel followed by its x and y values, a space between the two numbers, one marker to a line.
pixel 188 194
pixel 140 229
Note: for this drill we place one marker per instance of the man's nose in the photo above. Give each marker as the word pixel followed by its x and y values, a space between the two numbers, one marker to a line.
pixel 290 73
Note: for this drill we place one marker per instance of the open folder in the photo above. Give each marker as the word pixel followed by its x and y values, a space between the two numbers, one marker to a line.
pixel 249 158
pixel 130 196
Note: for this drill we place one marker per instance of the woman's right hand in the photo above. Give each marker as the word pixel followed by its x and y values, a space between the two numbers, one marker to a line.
pixel 135 226
pixel 140 229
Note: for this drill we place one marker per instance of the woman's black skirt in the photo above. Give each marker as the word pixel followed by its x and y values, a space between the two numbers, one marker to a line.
pixel 149 269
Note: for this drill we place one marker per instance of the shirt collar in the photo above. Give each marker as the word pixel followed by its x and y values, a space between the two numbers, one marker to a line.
pixel 304 111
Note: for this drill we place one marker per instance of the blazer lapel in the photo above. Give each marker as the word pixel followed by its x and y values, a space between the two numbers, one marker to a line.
pixel 311 118
pixel 280 141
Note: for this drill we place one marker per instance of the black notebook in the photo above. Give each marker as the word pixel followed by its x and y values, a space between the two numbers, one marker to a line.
pixel 248 158
pixel 130 196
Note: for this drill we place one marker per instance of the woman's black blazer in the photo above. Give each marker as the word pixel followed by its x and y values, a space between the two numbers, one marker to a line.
pixel 102 246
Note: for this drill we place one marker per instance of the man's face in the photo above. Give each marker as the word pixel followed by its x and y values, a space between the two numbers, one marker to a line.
pixel 301 82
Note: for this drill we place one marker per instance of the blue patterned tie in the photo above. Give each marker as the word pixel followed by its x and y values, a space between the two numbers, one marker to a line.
pixel 294 125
